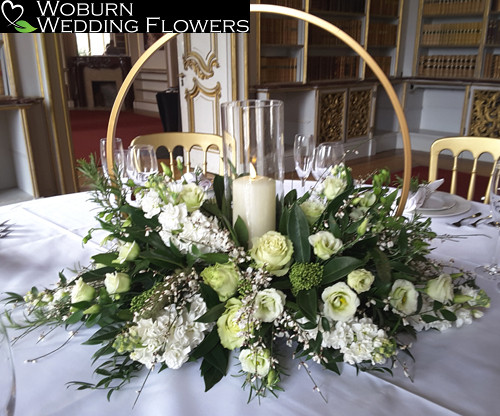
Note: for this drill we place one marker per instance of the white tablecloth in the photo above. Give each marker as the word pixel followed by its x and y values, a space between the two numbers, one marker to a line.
pixel 456 372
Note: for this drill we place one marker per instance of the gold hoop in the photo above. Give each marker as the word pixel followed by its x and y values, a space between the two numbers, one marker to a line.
pixel 286 11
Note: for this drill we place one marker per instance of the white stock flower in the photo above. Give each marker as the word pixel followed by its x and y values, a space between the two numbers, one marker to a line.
pixel 172 217
pixel 150 203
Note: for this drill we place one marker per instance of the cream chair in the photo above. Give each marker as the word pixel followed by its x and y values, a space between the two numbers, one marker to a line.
pixel 189 141
pixel 457 145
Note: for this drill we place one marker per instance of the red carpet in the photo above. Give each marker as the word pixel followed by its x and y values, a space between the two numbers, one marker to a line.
pixel 421 172
pixel 89 126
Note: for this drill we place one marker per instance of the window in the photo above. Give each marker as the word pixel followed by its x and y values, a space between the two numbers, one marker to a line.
pixel 92 43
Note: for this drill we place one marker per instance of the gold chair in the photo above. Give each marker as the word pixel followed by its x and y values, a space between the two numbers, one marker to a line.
pixel 457 145
pixel 189 141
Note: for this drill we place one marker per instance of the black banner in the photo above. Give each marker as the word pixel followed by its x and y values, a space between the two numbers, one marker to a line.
pixel 64 16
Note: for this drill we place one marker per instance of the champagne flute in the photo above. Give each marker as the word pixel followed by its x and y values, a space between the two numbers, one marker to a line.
pixel 303 153
pixel 326 155
pixel 143 161
pixel 118 156
pixel 7 375
pixel 492 270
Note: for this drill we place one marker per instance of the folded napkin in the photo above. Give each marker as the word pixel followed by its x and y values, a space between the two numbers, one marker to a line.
pixel 418 198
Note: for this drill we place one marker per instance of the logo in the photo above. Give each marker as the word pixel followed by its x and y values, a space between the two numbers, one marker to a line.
pixel 13 13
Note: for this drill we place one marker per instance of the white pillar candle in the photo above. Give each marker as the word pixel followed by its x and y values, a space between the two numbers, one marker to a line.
pixel 254 200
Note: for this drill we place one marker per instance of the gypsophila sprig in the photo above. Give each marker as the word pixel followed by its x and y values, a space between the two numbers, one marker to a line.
pixel 341 280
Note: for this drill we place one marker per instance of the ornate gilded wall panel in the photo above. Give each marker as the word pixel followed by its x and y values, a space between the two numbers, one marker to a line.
pixel 331 116
pixel 358 120
pixel 203 58
pixel 485 115
pixel 206 101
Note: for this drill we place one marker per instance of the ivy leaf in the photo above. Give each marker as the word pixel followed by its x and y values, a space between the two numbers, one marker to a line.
pixel 24 27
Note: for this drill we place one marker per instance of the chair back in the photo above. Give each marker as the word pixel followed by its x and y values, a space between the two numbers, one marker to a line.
pixel 189 141
pixel 457 145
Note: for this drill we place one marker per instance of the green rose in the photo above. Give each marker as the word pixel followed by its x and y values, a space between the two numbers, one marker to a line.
pixel 82 292
pixel 256 361
pixel 269 304
pixel 440 288
pixel 340 302
pixel 325 244
pixel 360 280
pixel 333 186
pixel 403 296
pixel 223 278
pixel 128 252
pixel 273 252
pixel 228 325
pixel 117 283
pixel 192 195
pixel 312 210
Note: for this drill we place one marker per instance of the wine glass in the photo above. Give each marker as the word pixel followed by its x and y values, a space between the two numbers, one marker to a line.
pixel 7 375
pixel 118 156
pixel 303 153
pixel 143 161
pixel 492 270
pixel 326 155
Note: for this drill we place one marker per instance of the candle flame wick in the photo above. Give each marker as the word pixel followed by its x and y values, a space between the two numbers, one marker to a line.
pixel 253 173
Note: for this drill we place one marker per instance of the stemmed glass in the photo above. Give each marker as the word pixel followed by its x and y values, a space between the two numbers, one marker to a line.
pixel 303 153
pixel 7 375
pixel 326 155
pixel 143 162
pixel 118 156
pixel 492 270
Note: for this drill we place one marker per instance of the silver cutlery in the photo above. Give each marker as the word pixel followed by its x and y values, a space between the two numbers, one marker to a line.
pixel 459 222
pixel 474 224
pixel 5 229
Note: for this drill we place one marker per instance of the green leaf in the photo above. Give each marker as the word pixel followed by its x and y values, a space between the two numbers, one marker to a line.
pixel 74 318
pixel 429 318
pixel 209 295
pixel 382 264
pixel 339 267
pixel 298 232
pixel 241 230
pixel 212 314
pixel 24 27
pixel 212 258
pixel 448 315
pixel 103 334
pixel 205 346
pixel 308 303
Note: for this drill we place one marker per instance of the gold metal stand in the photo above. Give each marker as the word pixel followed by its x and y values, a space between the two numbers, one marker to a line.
pixel 285 11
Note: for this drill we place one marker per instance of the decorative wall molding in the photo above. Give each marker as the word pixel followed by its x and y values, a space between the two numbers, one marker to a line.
pixel 202 66
pixel 485 115
pixel 213 95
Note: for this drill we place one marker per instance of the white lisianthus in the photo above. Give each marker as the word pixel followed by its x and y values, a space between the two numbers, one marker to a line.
pixel 360 280
pixel 312 209
pixel 192 195
pixel 82 292
pixel 340 302
pixel 269 304
pixel 117 283
pixel 404 297
pixel 333 186
pixel 325 244
pixel 440 288
pixel 255 361
pixel 273 251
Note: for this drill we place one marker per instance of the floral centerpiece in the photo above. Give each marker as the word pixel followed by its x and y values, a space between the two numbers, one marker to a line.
pixel 341 279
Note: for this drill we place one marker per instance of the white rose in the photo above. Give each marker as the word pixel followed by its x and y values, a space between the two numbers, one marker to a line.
pixel 117 283
pixel 325 244
pixel 269 304
pixel 82 292
pixel 360 280
pixel 128 252
pixel 340 302
pixel 440 288
pixel 255 361
pixel 404 297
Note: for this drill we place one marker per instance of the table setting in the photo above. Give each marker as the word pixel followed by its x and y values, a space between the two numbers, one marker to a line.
pixel 251 297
